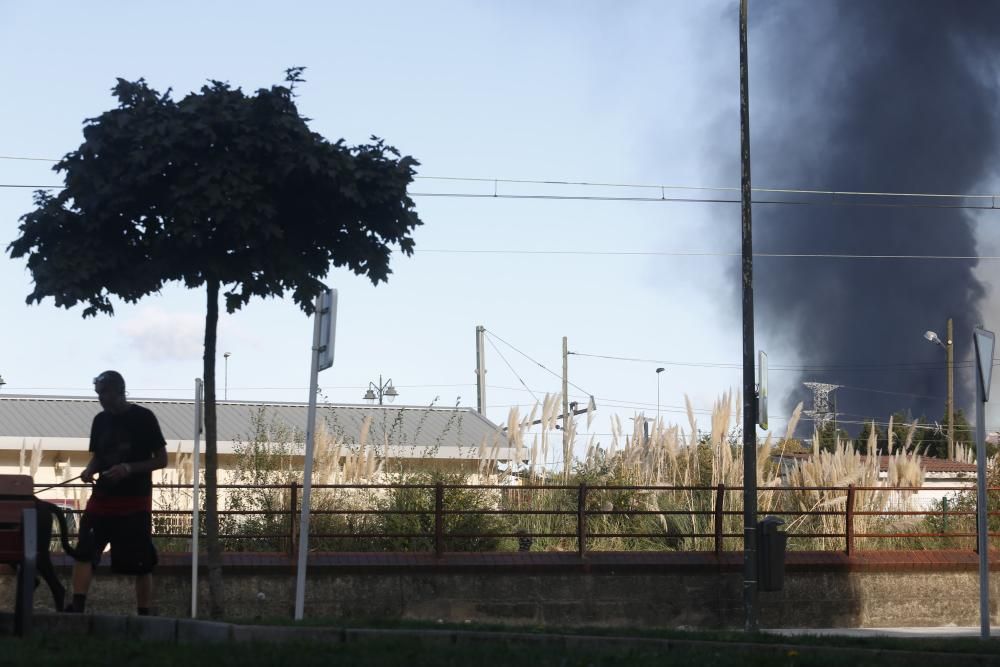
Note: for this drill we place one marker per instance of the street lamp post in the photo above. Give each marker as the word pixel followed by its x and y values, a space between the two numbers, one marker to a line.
pixel 658 371
pixel 380 390
pixel 950 405
pixel 225 385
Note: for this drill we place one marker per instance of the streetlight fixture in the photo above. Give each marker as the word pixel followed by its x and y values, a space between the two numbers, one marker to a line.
pixel 658 371
pixel 2 383
pixel 380 390
pixel 225 386
pixel 950 406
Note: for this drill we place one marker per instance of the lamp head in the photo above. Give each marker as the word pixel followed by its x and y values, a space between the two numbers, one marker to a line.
pixel 660 370
pixel 933 337
pixel 391 392
pixel 369 395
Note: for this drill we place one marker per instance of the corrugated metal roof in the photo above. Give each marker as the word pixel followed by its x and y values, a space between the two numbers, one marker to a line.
pixel 71 417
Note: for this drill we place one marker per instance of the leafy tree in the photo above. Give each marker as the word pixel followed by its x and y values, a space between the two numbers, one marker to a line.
pixel 829 434
pixel 223 191
pixel 901 422
pixel 861 444
pixel 936 439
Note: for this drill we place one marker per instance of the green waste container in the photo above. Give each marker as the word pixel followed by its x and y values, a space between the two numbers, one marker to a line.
pixel 771 542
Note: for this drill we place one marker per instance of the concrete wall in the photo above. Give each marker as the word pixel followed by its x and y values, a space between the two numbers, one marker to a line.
pixel 636 598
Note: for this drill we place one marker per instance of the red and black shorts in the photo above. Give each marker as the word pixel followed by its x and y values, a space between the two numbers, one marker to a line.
pixel 130 537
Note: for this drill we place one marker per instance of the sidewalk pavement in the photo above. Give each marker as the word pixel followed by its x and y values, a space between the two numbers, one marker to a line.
pixel 947 631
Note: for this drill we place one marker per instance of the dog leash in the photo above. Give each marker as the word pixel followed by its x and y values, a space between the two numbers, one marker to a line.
pixel 59 484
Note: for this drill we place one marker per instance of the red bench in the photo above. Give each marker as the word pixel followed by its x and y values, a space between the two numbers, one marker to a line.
pixel 19 542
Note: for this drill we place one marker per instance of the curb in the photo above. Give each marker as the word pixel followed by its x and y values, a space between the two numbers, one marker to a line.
pixel 153 628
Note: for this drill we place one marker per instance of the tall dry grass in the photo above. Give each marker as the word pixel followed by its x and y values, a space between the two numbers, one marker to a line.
pixel 542 498
pixel 670 455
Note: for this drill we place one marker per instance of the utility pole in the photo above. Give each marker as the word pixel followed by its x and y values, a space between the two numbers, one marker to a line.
pixel 950 350
pixel 565 397
pixel 481 369
pixel 749 388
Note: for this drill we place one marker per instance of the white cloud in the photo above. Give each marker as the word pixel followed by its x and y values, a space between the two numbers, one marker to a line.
pixel 160 335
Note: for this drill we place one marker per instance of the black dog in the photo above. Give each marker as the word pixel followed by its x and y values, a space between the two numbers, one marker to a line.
pixel 45 512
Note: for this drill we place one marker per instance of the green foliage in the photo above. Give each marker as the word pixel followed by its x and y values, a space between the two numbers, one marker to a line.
pixel 929 438
pixel 828 435
pixel 964 504
pixel 222 186
pixel 936 440
pixel 264 461
pixel 473 528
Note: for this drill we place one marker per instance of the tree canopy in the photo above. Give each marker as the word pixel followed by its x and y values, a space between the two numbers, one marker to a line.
pixel 219 185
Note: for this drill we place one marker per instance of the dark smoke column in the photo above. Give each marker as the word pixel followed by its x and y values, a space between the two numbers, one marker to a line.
pixel 872 95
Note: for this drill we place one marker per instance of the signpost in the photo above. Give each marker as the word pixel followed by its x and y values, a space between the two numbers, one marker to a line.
pixel 324 332
pixel 762 389
pixel 984 343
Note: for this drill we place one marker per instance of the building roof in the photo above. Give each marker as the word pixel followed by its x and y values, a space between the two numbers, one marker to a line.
pixel 26 416
pixel 929 464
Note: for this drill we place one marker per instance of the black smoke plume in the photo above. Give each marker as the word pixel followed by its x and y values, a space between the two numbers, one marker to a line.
pixel 873 96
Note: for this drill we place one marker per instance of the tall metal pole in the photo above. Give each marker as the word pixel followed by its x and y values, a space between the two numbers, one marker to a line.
pixel 658 371
pixel 225 385
pixel 749 392
pixel 950 350
pixel 480 369
pixel 566 415
pixel 981 525
pixel 300 573
pixel 195 487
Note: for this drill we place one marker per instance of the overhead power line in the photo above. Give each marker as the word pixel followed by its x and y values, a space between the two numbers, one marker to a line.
pixel 817 367
pixel 664 187
pixel 519 378
pixel 536 362
pixel 987 204
pixel 697 253
pixel 33 159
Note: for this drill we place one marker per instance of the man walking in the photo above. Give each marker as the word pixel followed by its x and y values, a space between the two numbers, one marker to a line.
pixel 126 446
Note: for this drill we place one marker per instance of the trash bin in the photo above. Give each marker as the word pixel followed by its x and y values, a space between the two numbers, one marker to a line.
pixel 771 541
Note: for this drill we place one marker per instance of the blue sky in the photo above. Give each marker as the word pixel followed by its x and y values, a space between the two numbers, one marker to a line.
pixel 637 92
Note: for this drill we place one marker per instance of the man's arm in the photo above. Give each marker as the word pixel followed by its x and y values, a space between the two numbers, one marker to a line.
pixel 123 470
pixel 87 476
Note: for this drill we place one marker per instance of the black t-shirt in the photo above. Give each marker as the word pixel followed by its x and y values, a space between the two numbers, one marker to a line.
pixel 133 435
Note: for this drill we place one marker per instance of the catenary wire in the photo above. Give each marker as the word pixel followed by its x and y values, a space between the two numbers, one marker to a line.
pixel 536 362
pixel 695 253
pixel 917 366
pixel 662 199
pixel 658 186
pixel 519 378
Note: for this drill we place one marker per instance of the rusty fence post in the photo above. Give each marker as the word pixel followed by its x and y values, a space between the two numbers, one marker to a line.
pixel 581 521
pixel 439 519
pixel 849 520
pixel 720 494
pixel 294 501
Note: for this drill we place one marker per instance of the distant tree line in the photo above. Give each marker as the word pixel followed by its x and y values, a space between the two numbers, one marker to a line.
pixel 929 438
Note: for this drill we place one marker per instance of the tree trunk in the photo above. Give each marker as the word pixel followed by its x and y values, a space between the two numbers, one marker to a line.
pixel 214 560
